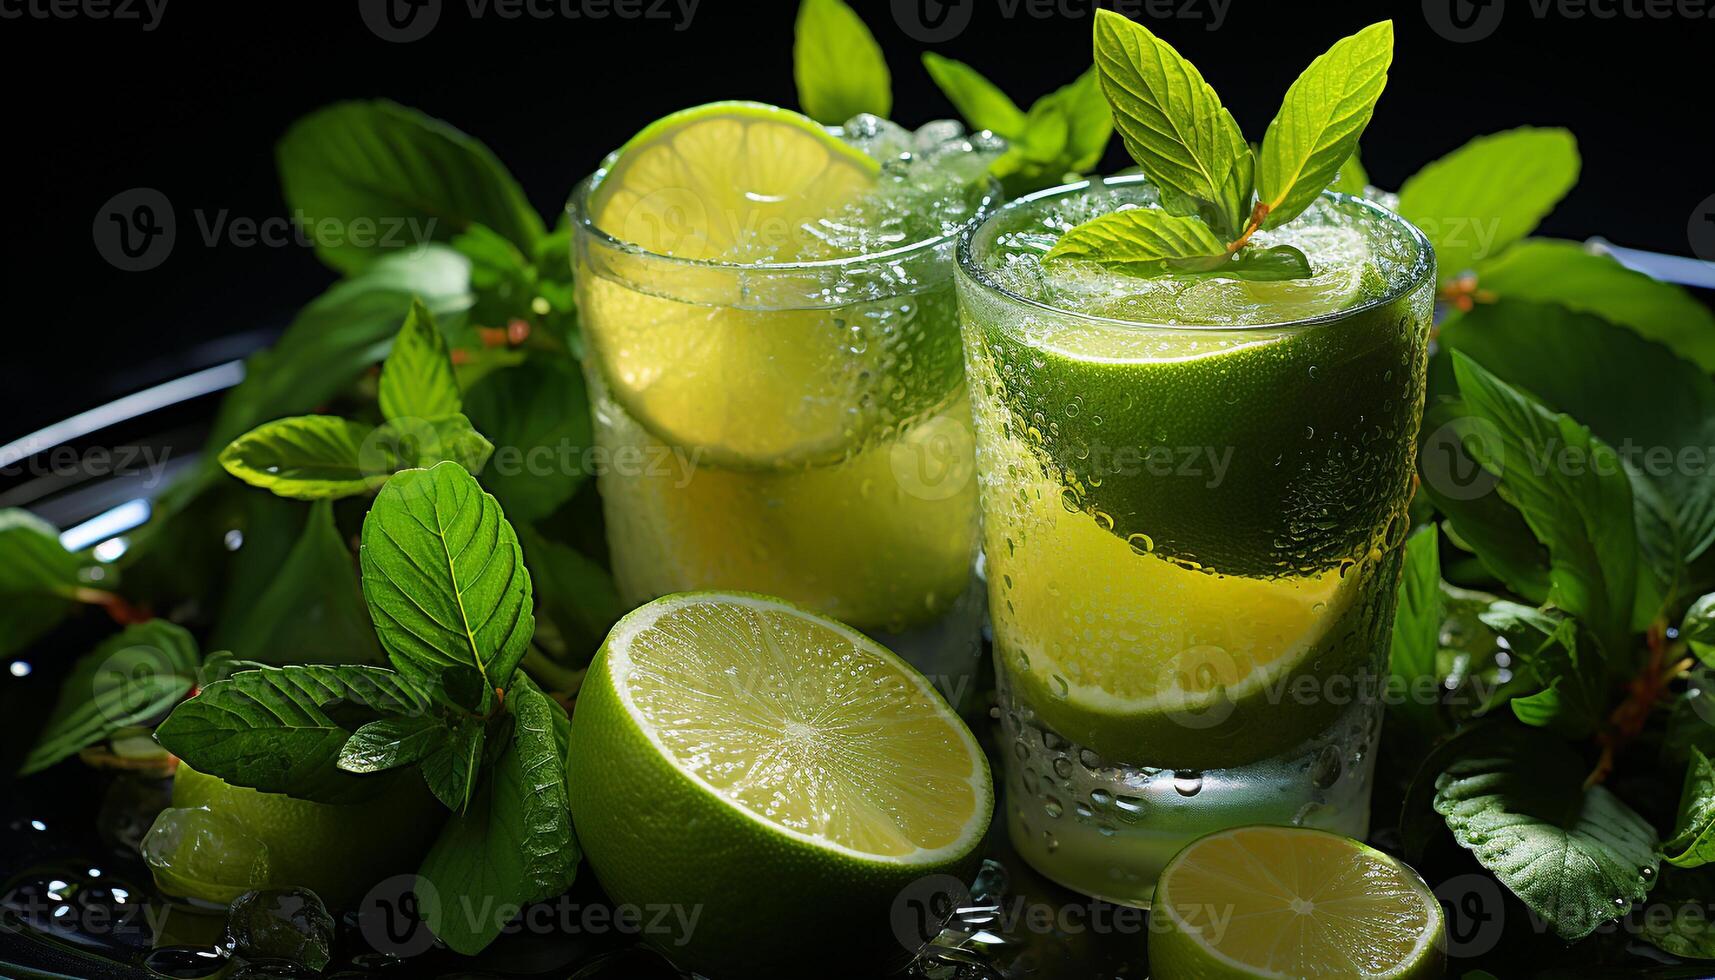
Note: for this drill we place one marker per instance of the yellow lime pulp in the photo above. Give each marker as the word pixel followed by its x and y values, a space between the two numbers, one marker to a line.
pixel 1279 902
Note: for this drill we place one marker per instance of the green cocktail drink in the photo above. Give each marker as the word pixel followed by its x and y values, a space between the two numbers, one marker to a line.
pixel 1194 494
pixel 775 367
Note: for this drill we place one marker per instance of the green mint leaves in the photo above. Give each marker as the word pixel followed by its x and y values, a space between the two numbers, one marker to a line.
pixel 1174 125
pixel 1140 242
pixel 129 679
pixel 321 457
pixel 417 380
pixel 1064 134
pixel 1489 193
pixel 1578 857
pixel 1188 144
pixel 839 68
pixel 1317 128
pixel 445 580
pixel 369 178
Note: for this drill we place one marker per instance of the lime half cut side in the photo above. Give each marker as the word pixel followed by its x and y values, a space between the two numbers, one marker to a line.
pixel 767 765
pixel 1288 902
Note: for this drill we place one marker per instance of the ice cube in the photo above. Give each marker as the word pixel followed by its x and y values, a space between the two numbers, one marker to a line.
pixel 931 135
pixel 289 924
pixel 881 138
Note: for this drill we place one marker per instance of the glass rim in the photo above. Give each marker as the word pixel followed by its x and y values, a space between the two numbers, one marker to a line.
pixel 1422 268
pixel 577 210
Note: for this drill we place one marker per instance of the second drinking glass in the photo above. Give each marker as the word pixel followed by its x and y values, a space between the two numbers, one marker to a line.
pixel 775 369
pixel 1194 497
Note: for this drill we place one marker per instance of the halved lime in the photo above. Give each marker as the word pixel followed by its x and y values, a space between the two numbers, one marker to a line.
pixel 1287 902
pixel 777 771
pixel 218 841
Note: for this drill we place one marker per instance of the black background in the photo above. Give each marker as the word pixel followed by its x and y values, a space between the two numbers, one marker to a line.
pixel 193 107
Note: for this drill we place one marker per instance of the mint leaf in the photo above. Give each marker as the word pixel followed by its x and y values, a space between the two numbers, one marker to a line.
pixel 1138 242
pixel 452 767
pixel 1583 515
pixel 312 457
pixel 320 457
pixel 574 592
pixel 839 68
pixel 312 610
pixel 1066 132
pixel 538 741
pixel 1693 840
pixel 1573 695
pixel 1478 519
pixel 1417 632
pixel 1684 930
pixel 1569 360
pixel 513 845
pixel 1320 121
pixel 1577 857
pixel 281 729
pixel 419 443
pixel 371 177
pixel 1275 263
pixel 1489 193
pixel 445 581
pixel 389 743
pixel 417 379
pixel 127 680
pixel 1174 126
pixel 38 579
pixel 978 100
pixel 1568 274
pixel 538 416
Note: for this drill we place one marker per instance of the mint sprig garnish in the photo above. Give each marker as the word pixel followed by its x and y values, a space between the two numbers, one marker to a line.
pixel 1063 135
pixel 1188 144
pixel 1320 120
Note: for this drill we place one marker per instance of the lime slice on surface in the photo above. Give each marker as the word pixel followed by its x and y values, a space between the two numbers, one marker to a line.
pixel 1286 902
pixel 218 841
pixel 782 772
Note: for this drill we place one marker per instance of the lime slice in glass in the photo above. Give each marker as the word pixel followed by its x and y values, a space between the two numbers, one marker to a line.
pixel 708 357
pixel 1280 902
pixel 779 771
